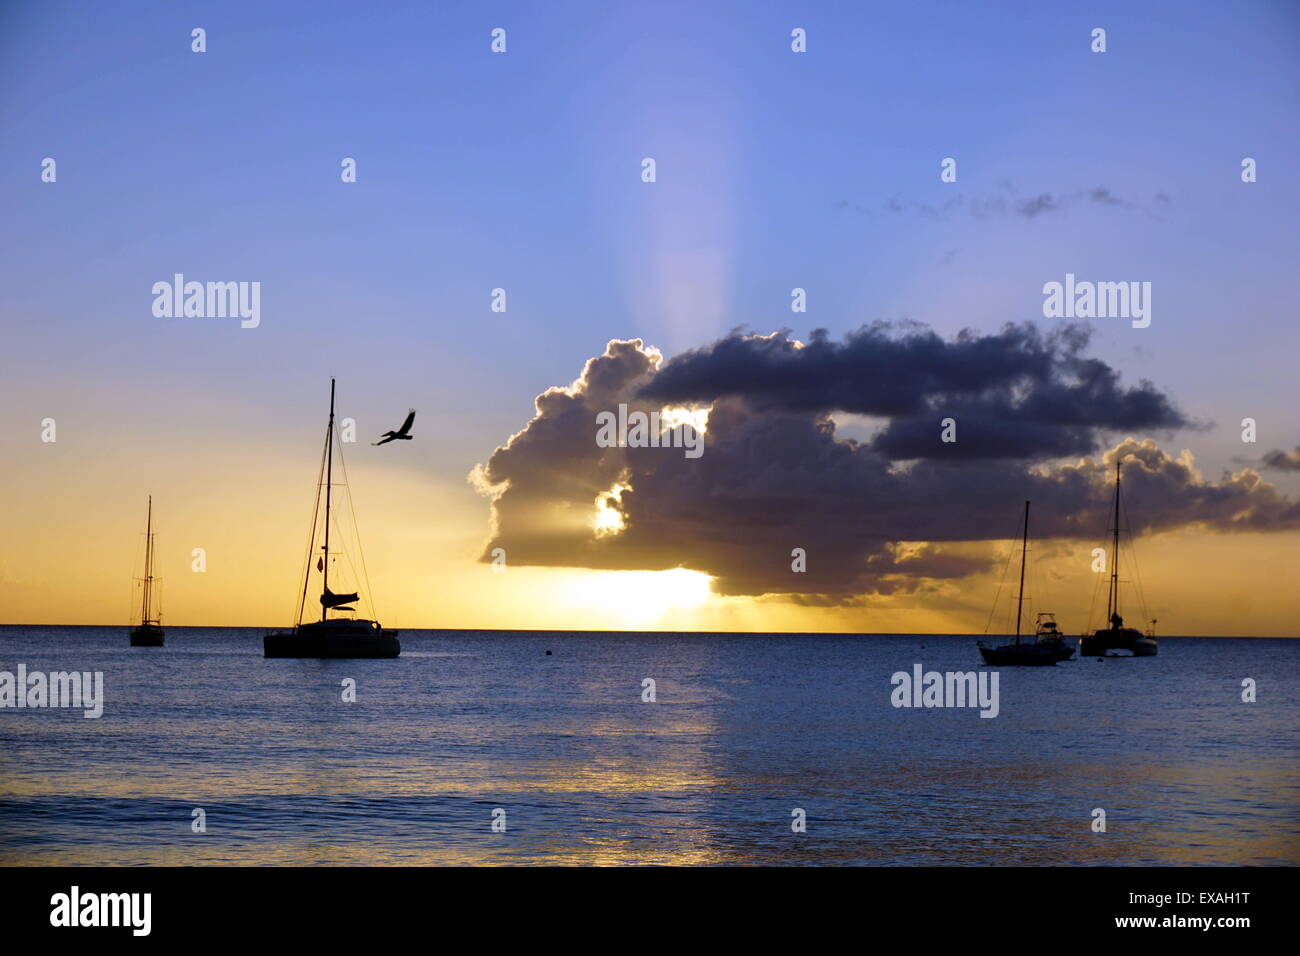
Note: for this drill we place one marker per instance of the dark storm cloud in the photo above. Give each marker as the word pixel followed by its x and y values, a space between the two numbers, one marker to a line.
pixel 775 476
pixel 1014 394
pixel 1283 460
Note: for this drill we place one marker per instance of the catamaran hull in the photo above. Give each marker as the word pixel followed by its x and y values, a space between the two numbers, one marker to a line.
pixel 1125 642
pixel 1026 655
pixel 291 644
pixel 146 636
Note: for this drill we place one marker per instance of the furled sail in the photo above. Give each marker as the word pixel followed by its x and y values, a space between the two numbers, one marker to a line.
pixel 330 599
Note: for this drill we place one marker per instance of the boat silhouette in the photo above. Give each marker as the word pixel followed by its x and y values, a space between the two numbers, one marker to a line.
pixel 1046 648
pixel 1117 640
pixel 149 632
pixel 333 637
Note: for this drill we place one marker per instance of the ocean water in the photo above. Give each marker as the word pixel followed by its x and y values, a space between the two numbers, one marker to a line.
pixel 744 730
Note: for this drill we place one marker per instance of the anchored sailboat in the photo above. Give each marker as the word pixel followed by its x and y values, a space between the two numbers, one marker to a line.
pixel 330 636
pixel 149 632
pixel 1117 640
pixel 1047 647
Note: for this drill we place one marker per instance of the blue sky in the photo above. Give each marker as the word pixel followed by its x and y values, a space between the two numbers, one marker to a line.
pixel 521 171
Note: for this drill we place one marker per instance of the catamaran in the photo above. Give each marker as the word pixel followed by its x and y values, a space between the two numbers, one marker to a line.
pixel 149 632
pixel 1117 640
pixel 1046 648
pixel 330 636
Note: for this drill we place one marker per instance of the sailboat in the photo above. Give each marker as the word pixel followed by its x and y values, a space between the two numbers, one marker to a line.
pixel 149 632
pixel 1046 648
pixel 1117 640
pixel 345 637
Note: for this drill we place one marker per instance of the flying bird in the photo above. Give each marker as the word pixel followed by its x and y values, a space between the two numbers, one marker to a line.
pixel 400 433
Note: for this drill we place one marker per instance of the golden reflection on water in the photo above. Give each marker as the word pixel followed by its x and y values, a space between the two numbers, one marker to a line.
pixel 920 808
pixel 903 828
pixel 899 820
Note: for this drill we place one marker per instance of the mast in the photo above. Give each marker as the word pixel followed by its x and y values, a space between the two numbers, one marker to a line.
pixel 329 481
pixel 148 562
pixel 1024 553
pixel 1112 594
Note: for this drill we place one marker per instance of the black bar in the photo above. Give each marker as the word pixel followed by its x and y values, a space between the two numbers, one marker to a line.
pixel 661 907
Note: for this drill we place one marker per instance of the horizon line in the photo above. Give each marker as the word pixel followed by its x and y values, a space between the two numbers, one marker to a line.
pixel 569 630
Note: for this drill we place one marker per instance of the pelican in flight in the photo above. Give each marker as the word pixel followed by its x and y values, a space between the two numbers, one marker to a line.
pixel 401 433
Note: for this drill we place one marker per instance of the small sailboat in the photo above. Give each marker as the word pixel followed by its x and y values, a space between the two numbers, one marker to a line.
pixel 1046 648
pixel 149 632
pixel 339 637
pixel 1117 640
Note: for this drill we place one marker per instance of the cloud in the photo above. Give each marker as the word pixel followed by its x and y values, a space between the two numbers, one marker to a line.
pixel 1007 202
pixel 1014 394
pixel 1103 196
pixel 775 475
pixel 1283 460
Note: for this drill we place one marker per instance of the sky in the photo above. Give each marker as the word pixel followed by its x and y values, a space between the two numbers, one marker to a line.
pixel 523 171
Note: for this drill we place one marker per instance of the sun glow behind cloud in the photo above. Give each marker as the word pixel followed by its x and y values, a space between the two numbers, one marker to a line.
pixel 637 599
pixel 608 518
pixel 674 415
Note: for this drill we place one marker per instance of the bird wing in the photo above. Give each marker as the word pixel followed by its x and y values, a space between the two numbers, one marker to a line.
pixel 388 436
pixel 406 425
